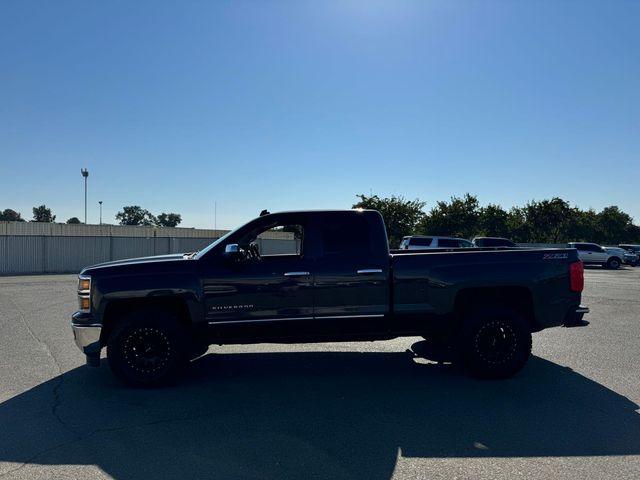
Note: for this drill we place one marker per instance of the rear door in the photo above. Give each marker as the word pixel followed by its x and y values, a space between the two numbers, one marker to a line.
pixel 351 273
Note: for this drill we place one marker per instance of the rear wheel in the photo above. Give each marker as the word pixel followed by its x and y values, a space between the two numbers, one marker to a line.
pixel 495 342
pixel 148 348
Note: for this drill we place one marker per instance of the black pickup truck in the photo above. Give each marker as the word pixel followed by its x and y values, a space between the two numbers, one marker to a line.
pixel 317 276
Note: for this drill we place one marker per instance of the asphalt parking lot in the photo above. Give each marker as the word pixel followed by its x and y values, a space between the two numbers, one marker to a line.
pixel 352 410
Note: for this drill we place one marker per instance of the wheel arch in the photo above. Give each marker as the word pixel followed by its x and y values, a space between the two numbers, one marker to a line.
pixel 116 310
pixel 518 298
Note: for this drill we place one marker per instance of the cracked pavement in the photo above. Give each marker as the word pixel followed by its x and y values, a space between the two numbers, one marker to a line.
pixel 349 410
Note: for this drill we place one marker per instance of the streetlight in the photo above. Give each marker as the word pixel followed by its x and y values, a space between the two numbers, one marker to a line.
pixel 85 174
pixel 100 202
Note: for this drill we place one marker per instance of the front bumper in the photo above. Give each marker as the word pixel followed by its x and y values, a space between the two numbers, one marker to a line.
pixel 87 336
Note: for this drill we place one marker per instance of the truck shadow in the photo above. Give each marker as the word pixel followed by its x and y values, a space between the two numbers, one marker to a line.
pixel 311 415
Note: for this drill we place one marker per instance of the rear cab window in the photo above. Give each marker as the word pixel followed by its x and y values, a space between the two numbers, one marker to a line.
pixel 351 236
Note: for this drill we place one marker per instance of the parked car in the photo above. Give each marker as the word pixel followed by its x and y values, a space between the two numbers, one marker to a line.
pixel 592 253
pixel 492 242
pixel 338 283
pixel 631 247
pixel 420 242
pixel 628 257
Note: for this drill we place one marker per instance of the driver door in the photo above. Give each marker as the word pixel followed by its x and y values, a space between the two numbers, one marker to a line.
pixel 271 290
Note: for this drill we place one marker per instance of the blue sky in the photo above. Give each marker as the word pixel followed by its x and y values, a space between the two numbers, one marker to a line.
pixel 177 106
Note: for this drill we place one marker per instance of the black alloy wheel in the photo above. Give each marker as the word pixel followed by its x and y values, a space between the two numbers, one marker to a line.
pixel 148 348
pixel 495 342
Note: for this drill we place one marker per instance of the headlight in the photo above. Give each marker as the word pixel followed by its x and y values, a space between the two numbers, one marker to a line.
pixel 84 293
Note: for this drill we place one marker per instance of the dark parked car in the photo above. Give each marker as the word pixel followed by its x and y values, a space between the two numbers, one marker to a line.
pixel 631 247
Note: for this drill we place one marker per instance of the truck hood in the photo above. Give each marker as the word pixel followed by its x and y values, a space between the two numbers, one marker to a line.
pixel 138 261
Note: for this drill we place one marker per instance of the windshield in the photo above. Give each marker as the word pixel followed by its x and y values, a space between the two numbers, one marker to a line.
pixel 248 234
pixel 209 247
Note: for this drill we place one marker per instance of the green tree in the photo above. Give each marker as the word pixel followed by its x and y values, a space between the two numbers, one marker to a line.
pixel 400 216
pixel 633 234
pixel 74 220
pixel 517 225
pixel 549 221
pixel 457 218
pixel 43 214
pixel 9 215
pixel 135 215
pixel 585 227
pixel 493 221
pixel 168 219
pixel 613 226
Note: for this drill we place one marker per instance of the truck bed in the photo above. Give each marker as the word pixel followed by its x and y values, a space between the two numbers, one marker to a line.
pixel 445 280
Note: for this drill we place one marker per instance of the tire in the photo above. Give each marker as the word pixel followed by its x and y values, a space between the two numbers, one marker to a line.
pixel 148 348
pixel 613 263
pixel 495 342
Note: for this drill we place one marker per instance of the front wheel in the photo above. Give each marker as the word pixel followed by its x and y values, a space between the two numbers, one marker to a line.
pixel 613 263
pixel 495 342
pixel 148 348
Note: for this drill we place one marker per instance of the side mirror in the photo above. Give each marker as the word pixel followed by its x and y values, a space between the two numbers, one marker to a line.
pixel 232 251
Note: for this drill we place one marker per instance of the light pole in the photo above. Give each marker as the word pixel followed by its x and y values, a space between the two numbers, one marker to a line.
pixel 100 202
pixel 85 174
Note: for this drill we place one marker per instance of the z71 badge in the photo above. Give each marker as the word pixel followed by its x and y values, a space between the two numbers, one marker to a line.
pixel 555 256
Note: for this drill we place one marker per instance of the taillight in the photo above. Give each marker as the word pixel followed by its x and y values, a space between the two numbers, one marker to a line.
pixel 576 276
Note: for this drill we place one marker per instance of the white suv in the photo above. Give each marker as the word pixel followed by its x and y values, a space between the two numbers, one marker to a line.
pixel 592 253
pixel 420 242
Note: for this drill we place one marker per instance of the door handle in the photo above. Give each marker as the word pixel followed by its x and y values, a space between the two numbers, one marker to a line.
pixel 369 271
pixel 297 274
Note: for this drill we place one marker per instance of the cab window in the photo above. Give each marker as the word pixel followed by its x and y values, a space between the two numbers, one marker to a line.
pixel 342 237
pixel 281 238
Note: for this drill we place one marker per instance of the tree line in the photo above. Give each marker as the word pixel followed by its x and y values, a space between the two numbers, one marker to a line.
pixel 131 215
pixel 545 221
